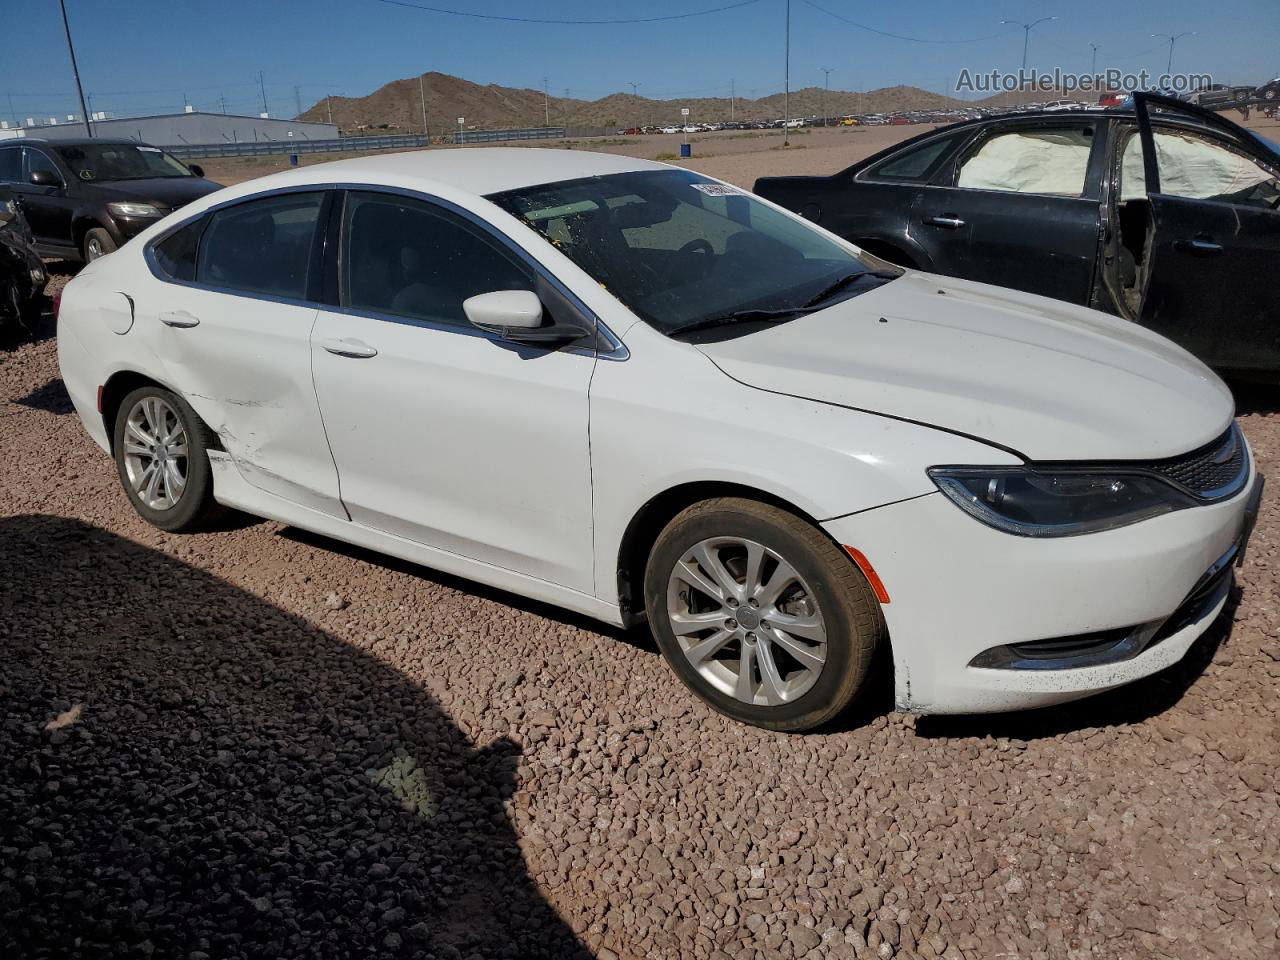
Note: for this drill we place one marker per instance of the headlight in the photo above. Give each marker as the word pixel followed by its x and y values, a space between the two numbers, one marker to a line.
pixel 134 209
pixel 1032 503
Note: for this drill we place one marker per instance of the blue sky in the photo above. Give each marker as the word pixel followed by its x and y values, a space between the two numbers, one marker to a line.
pixel 141 56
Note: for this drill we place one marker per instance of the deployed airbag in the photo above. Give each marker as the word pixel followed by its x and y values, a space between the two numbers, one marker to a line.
pixel 1032 161
pixel 1189 167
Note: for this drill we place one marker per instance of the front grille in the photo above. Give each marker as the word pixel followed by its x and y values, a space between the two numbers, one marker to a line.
pixel 1214 472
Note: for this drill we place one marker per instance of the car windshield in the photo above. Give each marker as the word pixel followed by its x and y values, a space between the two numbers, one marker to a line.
pixel 120 161
pixel 684 252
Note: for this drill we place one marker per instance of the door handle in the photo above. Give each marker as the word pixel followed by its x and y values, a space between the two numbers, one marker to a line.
pixel 356 349
pixel 180 319
pixel 1199 247
pixel 947 221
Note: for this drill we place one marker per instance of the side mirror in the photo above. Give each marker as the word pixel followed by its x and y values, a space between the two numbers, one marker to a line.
pixel 516 315
pixel 196 169
pixel 45 178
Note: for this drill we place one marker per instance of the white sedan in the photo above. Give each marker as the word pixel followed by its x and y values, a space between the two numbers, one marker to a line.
pixel 637 392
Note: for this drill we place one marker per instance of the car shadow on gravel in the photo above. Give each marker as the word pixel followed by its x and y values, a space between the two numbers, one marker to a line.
pixel 1123 706
pixel 1256 398
pixel 190 771
pixel 51 398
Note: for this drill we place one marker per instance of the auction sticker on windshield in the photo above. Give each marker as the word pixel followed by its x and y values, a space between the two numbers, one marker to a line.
pixel 717 189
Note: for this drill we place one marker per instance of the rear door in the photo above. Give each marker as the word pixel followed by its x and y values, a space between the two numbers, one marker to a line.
pixel 231 315
pixel 1019 207
pixel 1215 246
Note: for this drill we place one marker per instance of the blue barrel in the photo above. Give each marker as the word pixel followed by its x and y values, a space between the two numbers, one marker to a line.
pixel 293 159
pixel 686 151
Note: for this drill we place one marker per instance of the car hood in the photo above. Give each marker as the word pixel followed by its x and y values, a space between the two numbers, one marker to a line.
pixel 172 192
pixel 1048 380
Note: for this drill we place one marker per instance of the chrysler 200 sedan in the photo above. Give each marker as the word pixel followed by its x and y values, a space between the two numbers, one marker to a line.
pixel 638 392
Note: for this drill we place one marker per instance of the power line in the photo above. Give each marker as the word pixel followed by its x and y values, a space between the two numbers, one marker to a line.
pixel 593 23
pixel 893 36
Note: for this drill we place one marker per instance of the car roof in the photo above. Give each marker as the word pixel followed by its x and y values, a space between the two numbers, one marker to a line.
pixel 477 170
pixel 77 141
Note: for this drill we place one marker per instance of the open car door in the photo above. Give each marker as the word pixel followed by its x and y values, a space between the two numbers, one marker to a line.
pixel 1213 251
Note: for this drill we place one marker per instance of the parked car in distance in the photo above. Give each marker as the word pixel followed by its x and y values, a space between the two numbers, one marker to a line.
pixel 22 272
pixel 84 198
pixel 637 392
pixel 1166 216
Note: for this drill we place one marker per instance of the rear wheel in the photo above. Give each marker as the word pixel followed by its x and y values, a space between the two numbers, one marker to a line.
pixel 760 614
pixel 97 243
pixel 161 450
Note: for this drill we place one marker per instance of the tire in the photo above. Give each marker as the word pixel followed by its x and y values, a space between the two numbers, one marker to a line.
pixel 97 243
pixel 176 509
pixel 832 609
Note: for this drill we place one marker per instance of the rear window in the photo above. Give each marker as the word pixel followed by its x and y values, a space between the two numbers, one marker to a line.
pixel 263 246
pixel 918 163
pixel 10 165
pixel 176 254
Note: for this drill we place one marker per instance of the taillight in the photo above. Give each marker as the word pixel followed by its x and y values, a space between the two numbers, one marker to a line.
pixel 57 302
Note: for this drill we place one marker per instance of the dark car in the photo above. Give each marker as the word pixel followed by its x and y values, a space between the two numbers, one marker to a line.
pixel 22 273
pixel 1166 215
pixel 84 198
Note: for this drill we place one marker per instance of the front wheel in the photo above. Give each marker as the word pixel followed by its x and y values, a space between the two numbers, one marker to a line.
pixel 97 243
pixel 760 614
pixel 161 451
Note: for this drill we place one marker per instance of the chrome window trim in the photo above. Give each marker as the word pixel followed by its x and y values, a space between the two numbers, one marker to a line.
pixel 612 349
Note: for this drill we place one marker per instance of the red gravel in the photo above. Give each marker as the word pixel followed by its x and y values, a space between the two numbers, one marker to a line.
pixel 286 747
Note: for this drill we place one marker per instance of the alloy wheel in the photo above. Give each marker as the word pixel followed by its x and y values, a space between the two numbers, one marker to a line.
pixel 93 249
pixel 155 453
pixel 746 621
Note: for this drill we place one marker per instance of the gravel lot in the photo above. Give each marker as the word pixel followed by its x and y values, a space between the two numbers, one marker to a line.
pixel 258 743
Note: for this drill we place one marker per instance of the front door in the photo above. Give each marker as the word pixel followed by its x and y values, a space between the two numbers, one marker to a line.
pixel 1019 208
pixel 442 434
pixel 1215 247
pixel 47 207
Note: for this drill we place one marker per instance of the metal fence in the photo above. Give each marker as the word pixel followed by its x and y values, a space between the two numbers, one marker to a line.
pixel 191 151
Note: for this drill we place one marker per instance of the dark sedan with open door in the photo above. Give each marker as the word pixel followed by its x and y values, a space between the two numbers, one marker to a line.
pixel 1168 215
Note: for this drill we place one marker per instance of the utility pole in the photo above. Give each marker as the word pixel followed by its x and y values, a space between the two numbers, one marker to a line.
pixel 1026 35
pixel 1093 70
pixel 732 96
pixel 222 102
pixel 1174 38
pixel 786 84
pixel 297 99
pixel 826 88
pixel 75 70
pixel 328 102
pixel 546 105
pixel 422 95
pixel 635 92
pixel 263 87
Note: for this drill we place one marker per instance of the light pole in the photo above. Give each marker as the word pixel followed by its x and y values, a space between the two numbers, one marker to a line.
pixel 1026 34
pixel 635 92
pixel 546 104
pixel 786 85
pixel 1172 38
pixel 733 83
pixel 422 95
pixel 1093 70
pixel 826 88
pixel 75 70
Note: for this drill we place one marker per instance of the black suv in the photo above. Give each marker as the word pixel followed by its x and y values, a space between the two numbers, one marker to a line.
pixel 83 198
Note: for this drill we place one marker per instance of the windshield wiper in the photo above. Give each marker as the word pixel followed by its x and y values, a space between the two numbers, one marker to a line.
pixel 848 280
pixel 743 316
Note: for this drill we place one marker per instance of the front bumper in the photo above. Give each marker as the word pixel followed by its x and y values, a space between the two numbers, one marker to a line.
pixel 958 589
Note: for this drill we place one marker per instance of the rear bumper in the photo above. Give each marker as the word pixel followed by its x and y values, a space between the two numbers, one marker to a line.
pixel 958 588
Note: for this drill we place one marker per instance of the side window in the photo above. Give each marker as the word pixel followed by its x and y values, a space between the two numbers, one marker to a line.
pixel 35 160
pixel 1044 160
pixel 176 253
pixel 11 165
pixel 1198 168
pixel 262 246
pixel 918 163
pixel 412 259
